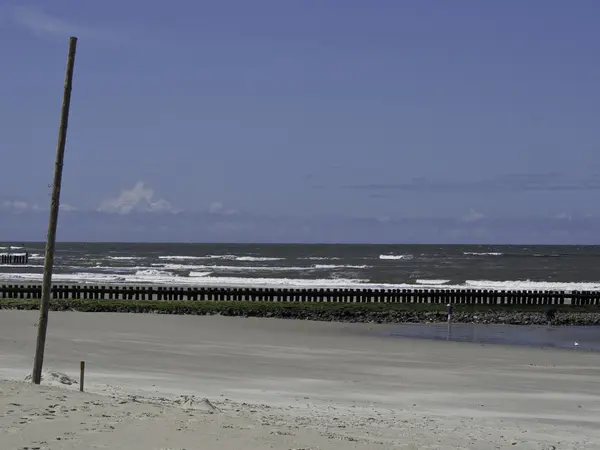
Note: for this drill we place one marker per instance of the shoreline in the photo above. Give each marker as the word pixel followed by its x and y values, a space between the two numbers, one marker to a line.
pixel 332 312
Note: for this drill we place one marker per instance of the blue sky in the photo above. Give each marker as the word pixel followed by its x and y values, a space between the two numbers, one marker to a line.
pixel 385 111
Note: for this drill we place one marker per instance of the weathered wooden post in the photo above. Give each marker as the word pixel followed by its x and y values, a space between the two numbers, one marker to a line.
pixel 52 223
pixel 81 374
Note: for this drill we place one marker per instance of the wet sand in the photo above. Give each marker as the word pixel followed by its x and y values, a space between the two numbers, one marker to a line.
pixel 295 384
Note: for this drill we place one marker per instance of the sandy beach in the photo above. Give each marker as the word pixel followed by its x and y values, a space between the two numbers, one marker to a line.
pixel 188 382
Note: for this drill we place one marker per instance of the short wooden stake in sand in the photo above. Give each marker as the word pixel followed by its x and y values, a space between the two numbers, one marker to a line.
pixel 81 374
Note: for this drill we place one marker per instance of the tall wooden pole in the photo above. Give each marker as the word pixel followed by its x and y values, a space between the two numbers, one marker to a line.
pixel 54 205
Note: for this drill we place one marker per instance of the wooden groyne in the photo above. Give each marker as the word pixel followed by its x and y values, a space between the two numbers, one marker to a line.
pixel 435 296
pixel 14 258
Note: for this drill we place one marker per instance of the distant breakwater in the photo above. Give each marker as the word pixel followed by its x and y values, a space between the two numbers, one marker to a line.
pixel 390 296
pixel 347 305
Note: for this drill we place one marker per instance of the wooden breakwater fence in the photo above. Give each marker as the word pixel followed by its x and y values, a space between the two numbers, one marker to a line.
pixel 14 258
pixel 436 296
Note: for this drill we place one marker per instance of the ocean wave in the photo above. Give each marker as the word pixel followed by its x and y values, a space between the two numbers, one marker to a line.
pixel 256 258
pixel 322 258
pixel 163 278
pixel 124 258
pixel 21 266
pixel 182 258
pixel 227 257
pixel 483 253
pixel 174 280
pixel 256 268
pixel 515 255
pixel 284 282
pixel 528 285
pixel 339 266
pixel 152 273
pixel 230 268
pixel 395 256
pixel 82 277
pixel 113 268
pixel 199 274
pixel 432 282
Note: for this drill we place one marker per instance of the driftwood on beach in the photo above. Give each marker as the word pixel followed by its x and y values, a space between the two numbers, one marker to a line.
pixel 412 296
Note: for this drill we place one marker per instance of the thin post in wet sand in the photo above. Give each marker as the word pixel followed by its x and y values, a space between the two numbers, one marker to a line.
pixel 53 221
pixel 450 310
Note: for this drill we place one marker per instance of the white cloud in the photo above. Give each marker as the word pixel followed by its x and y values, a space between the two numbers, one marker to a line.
pixel 138 199
pixel 67 207
pixel 16 206
pixel 219 208
pixel 215 207
pixel 473 216
pixel 39 22
pixel 564 216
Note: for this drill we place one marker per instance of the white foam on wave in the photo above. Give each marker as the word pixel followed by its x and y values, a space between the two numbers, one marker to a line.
pixel 483 253
pixel 124 258
pixel 112 268
pixel 395 256
pixel 36 256
pixel 152 273
pixel 321 258
pixel 229 268
pixel 433 282
pixel 284 282
pixel 65 277
pixel 339 266
pixel 199 279
pixel 256 268
pixel 21 266
pixel 199 274
pixel 182 258
pixel 527 285
pixel 164 279
pixel 256 258
pixel 227 257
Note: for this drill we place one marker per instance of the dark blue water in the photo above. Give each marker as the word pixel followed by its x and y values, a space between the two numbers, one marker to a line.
pixel 282 265
pixel 564 337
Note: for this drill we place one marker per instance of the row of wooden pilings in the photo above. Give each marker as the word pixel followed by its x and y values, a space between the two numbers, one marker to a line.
pixel 458 296
pixel 14 258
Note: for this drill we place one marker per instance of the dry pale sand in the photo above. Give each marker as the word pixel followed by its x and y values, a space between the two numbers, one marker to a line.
pixel 285 385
